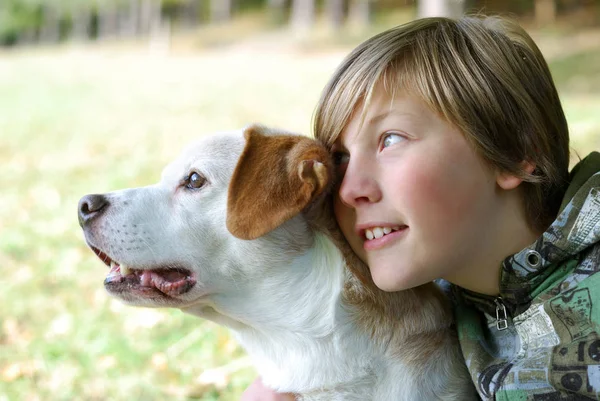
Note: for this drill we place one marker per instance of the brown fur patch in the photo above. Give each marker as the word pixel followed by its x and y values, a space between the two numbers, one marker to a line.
pixel 275 178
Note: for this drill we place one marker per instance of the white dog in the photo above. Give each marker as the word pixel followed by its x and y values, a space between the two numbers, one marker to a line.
pixel 239 231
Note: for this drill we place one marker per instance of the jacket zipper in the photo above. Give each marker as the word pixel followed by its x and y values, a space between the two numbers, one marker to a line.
pixel 501 315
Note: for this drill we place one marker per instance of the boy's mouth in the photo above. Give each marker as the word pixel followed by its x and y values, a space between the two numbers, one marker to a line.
pixel 376 238
pixel 380 231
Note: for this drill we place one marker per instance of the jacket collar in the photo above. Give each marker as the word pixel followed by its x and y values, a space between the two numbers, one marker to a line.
pixel 576 228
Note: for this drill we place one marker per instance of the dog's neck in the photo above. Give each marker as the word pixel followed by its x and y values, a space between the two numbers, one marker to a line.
pixel 301 339
pixel 301 342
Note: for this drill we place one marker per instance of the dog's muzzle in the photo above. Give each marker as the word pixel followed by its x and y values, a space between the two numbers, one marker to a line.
pixel 90 207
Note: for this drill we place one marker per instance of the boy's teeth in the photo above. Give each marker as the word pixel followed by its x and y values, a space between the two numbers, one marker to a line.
pixel 125 270
pixel 378 232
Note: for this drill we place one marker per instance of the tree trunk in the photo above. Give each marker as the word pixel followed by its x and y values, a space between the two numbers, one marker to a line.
pixel 160 38
pixel 129 19
pixel 335 13
pixel 303 15
pixel 145 17
pixel 220 10
pixel 156 21
pixel 277 11
pixel 107 19
pixel 545 12
pixel 189 14
pixel 440 8
pixel 50 29
pixel 360 12
pixel 82 21
pixel 150 17
pixel 26 37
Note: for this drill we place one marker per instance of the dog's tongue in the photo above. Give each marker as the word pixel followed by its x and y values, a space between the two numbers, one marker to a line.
pixel 168 281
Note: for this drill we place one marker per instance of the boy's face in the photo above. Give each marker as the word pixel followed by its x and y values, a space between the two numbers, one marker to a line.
pixel 410 173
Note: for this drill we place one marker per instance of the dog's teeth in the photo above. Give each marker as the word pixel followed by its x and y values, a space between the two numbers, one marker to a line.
pixel 369 234
pixel 125 270
pixel 112 273
pixel 112 264
pixel 387 230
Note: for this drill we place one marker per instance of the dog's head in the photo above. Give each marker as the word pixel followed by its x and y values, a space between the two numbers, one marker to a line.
pixel 224 212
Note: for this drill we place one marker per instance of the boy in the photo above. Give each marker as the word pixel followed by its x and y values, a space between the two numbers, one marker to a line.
pixel 453 155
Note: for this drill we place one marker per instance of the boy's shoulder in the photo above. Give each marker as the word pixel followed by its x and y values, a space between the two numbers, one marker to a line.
pixel 566 254
pixel 552 347
pixel 551 294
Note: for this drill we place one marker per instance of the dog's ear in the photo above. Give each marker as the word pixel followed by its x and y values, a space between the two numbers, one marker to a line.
pixel 276 177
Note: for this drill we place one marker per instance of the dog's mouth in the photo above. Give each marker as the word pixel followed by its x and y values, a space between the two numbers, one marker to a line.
pixel 169 281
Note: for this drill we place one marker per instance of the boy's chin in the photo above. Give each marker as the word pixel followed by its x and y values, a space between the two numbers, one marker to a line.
pixel 394 276
pixel 389 282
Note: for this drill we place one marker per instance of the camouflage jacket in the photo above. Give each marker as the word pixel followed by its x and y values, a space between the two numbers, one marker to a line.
pixel 540 338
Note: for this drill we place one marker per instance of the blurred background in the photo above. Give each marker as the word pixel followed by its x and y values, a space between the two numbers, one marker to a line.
pixel 98 95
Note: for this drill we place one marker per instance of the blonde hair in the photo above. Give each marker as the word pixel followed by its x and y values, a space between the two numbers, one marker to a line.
pixel 484 75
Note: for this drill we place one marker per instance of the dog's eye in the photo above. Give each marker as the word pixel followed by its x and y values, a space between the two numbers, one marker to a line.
pixel 195 181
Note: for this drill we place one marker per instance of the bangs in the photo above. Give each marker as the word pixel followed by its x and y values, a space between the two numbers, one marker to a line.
pixel 406 64
pixel 349 90
pixel 405 76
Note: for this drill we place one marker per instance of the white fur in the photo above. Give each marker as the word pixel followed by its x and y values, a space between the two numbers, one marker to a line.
pixel 280 294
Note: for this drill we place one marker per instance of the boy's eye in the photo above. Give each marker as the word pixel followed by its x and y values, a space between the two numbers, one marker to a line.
pixel 391 139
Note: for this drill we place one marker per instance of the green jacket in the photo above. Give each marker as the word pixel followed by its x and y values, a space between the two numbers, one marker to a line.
pixel 540 338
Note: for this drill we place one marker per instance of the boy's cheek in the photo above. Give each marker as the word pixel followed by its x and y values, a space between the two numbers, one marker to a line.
pixel 437 196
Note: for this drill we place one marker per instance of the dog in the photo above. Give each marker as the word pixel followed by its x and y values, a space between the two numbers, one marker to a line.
pixel 240 231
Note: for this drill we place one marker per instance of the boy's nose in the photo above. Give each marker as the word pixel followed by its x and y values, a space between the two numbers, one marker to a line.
pixel 359 186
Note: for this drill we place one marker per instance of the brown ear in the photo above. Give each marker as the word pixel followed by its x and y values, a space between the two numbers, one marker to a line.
pixel 276 177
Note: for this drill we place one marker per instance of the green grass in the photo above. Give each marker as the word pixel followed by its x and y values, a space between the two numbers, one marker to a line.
pixel 76 121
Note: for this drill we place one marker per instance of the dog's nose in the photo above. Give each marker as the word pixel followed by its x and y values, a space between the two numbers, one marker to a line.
pixel 91 206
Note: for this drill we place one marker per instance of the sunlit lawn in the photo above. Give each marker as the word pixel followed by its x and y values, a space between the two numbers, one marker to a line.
pixel 76 121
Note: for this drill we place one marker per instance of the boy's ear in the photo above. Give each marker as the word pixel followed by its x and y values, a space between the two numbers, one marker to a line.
pixel 509 181
pixel 276 177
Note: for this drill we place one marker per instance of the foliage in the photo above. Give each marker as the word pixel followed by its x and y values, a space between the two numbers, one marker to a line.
pixel 26 21
pixel 17 16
